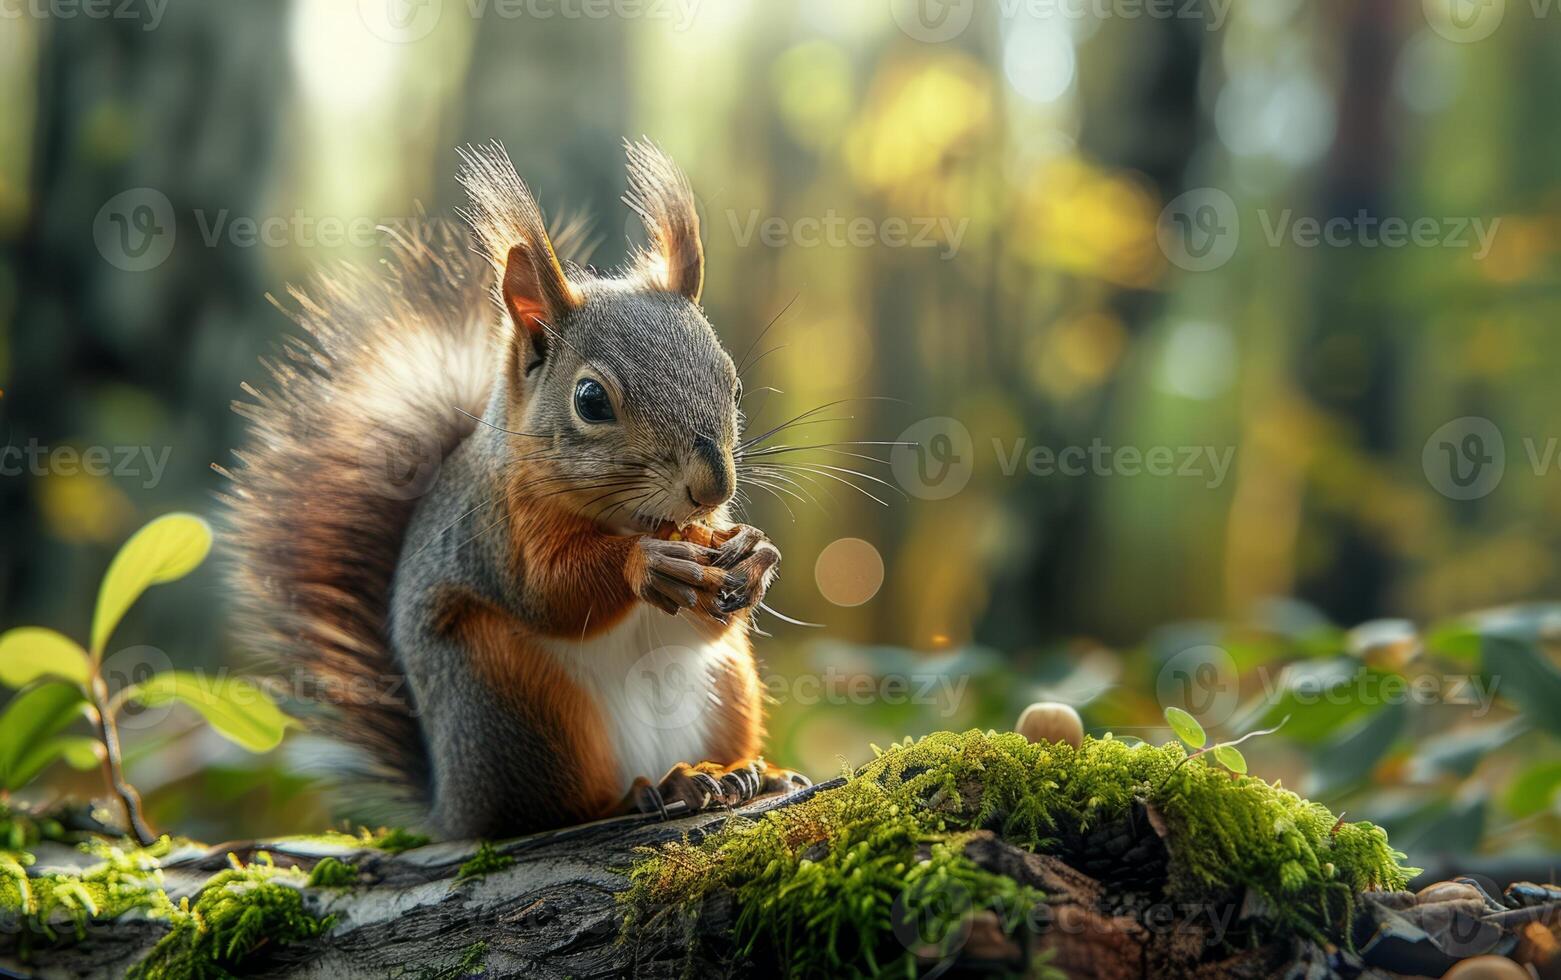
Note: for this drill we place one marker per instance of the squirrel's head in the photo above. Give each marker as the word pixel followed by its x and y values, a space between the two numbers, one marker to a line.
pixel 621 402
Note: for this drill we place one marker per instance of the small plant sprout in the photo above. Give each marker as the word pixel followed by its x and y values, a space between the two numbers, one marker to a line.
pixel 60 682
pixel 1186 728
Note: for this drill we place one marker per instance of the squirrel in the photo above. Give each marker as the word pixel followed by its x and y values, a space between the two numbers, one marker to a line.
pixel 554 627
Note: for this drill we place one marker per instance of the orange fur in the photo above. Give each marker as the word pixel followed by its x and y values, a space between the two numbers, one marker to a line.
pixel 580 770
pixel 738 732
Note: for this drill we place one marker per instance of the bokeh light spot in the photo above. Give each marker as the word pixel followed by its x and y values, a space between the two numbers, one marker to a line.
pixel 849 572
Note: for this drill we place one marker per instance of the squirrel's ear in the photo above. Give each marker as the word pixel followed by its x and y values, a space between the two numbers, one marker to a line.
pixel 509 226
pixel 536 294
pixel 660 195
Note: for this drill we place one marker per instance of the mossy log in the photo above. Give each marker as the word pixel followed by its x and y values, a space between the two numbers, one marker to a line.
pixel 961 855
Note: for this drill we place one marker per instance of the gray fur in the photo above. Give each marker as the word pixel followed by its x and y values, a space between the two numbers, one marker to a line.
pixel 674 390
pixel 340 576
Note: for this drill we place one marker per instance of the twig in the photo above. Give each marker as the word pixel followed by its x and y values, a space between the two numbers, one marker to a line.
pixel 113 767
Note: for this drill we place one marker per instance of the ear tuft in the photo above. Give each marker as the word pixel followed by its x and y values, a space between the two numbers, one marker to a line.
pixel 531 284
pixel 661 196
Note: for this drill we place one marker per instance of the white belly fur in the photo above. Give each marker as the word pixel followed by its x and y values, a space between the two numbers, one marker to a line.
pixel 653 677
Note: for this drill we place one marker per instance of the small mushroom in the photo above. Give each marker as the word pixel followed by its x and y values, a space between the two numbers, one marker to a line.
pixel 1051 721
pixel 1487 968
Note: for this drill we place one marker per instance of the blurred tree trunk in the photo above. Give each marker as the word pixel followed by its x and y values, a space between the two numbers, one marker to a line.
pixel 1143 117
pixel 1349 373
pixel 182 114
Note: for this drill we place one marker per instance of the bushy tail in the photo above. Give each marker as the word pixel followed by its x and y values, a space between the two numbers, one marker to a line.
pixel 345 434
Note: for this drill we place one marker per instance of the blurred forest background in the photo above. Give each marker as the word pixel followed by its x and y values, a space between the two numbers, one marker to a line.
pixel 1033 225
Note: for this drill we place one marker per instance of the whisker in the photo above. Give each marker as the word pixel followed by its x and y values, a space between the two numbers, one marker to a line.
pixel 812 412
pixel 773 450
pixel 787 619
pixel 814 467
pixel 772 492
pixel 773 320
pixel 862 490
pixel 499 428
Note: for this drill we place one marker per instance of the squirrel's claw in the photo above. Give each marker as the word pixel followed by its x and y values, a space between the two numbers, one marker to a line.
pixel 741 784
pixel 689 787
pixel 645 798
pixel 751 564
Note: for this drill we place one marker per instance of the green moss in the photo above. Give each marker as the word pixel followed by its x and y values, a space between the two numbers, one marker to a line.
pixel 394 840
pixel 122 880
pixel 331 873
pixel 236 912
pixel 486 861
pixel 848 882
pixel 821 877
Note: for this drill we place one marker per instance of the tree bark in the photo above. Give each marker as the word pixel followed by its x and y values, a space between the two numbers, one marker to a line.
pixel 555 913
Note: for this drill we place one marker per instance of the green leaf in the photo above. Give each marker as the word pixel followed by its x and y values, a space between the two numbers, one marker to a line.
pixel 166 549
pixel 1231 758
pixel 1522 674
pixel 32 717
pixel 236 708
pixel 1186 727
pixel 1536 790
pixel 31 652
pixel 1355 752
pixel 1455 640
pixel 79 752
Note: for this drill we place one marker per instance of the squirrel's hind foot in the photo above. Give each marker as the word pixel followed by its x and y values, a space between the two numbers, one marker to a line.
pixel 687 789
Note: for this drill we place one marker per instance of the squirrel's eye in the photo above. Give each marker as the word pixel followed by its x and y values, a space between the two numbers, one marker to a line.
pixel 737 392
pixel 591 401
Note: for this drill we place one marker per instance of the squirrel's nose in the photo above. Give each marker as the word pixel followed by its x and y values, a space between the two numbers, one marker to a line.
pixel 710 475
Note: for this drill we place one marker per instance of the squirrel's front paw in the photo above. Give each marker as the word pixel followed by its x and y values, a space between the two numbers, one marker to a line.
pixel 750 558
pixel 674 575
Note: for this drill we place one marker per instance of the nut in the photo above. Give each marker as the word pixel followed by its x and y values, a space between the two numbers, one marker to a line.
pixel 1448 891
pixel 1051 721
pixel 1487 968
